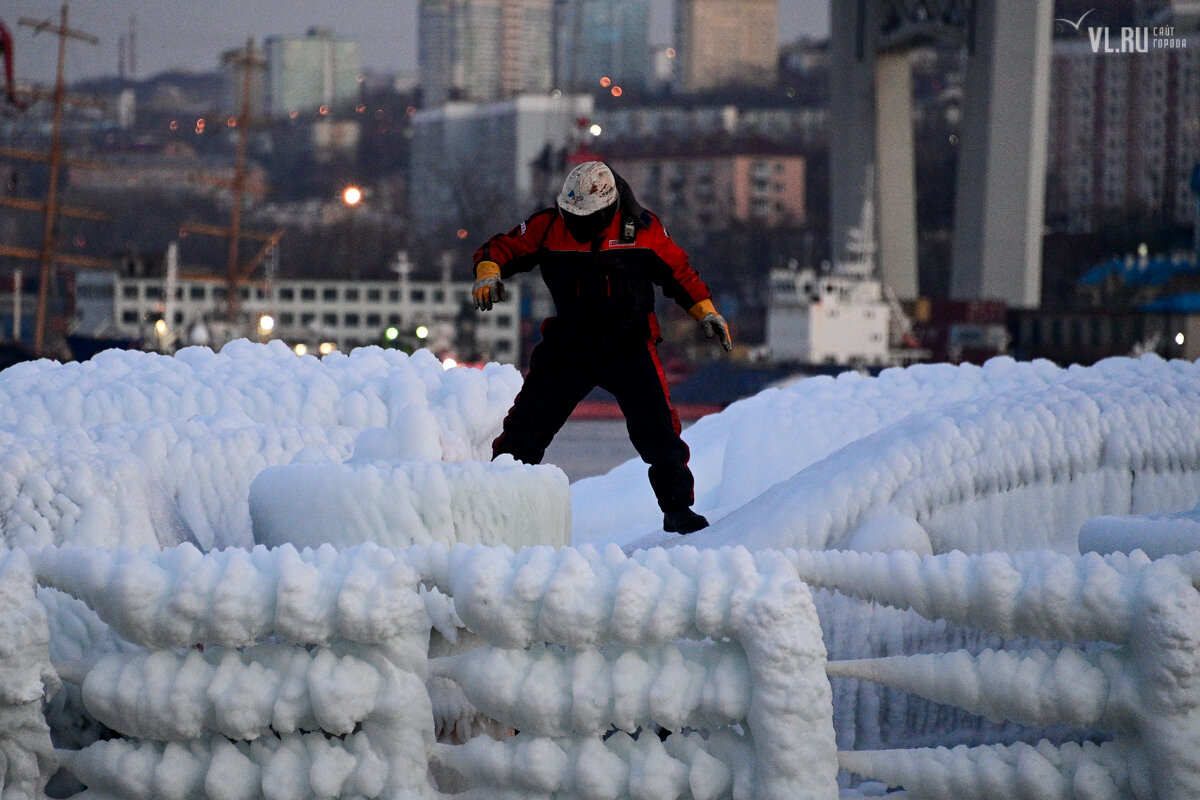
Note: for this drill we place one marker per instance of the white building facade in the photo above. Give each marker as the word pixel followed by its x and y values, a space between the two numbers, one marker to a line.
pixel 320 315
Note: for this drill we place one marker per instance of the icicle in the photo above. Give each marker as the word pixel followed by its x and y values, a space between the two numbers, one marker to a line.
pixel 1046 595
pixel 1020 770
pixel 1034 689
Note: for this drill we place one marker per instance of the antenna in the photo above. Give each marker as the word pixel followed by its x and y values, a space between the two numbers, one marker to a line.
pixel 132 47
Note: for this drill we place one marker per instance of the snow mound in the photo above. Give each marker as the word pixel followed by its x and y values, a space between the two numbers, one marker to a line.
pixel 1007 456
pixel 137 449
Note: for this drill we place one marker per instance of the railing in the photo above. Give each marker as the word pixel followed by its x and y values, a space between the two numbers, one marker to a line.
pixel 280 673
pixel 667 674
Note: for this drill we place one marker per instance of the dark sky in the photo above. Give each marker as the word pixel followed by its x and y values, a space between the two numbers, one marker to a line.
pixel 193 33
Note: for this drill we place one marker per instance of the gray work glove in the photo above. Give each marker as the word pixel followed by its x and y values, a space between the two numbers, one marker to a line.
pixel 714 324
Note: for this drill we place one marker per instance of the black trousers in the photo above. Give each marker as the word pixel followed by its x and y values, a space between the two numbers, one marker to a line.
pixel 563 371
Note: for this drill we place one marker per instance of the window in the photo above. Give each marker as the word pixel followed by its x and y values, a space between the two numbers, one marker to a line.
pixel 374 295
pixel 352 295
pixel 287 318
pixel 351 321
pixel 129 292
pixel 374 320
pixel 504 321
pixel 244 292
pixel 154 292
pixel 308 293
pixel 439 296
pixel 329 294
pixel 287 294
pixel 393 295
pixel 129 317
pixel 393 319
pixel 329 319
pixel 307 319
pixel 197 293
pixel 219 292
pixel 417 295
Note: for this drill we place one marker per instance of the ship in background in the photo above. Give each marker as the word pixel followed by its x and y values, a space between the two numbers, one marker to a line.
pixel 841 316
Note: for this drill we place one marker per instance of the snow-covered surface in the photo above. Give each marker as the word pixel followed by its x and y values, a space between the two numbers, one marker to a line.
pixel 133 448
pixel 1007 456
pixel 396 503
pixel 288 672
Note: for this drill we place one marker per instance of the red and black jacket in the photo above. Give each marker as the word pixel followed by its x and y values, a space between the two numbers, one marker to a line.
pixel 606 284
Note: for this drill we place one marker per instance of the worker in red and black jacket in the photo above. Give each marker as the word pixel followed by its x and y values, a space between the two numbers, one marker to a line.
pixel 601 254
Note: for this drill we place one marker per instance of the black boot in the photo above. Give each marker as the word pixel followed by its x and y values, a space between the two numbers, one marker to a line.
pixel 683 521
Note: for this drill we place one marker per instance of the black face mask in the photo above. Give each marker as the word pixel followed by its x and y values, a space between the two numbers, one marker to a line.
pixel 587 227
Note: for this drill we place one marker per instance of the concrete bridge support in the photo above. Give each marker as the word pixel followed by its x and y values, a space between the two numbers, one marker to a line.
pixel 1002 157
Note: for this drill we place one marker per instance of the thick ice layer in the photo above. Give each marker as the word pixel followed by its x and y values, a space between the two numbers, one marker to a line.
pixel 133 449
pixel 234 598
pixel 932 459
pixel 1143 691
pixel 551 692
pixel 1156 535
pixel 26 680
pixel 411 502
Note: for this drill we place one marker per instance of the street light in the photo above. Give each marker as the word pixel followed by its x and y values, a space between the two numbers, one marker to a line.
pixel 352 196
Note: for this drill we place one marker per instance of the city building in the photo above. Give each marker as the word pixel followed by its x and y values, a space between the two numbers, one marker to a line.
pixel 480 167
pixel 317 73
pixel 311 315
pixel 776 118
pixel 235 79
pixel 483 50
pixel 726 43
pixel 714 186
pixel 1124 134
pixel 1084 336
pixel 602 39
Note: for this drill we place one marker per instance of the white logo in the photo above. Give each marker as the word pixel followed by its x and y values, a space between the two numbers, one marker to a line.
pixel 1128 40
pixel 1075 25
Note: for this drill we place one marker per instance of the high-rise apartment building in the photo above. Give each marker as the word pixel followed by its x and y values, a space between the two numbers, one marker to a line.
pixel 311 72
pixel 484 50
pixel 726 42
pixel 1124 134
pixel 596 39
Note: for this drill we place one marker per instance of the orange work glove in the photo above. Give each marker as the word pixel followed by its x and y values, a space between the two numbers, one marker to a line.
pixel 488 288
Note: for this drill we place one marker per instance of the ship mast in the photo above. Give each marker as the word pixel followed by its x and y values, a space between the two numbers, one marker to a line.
pixel 51 209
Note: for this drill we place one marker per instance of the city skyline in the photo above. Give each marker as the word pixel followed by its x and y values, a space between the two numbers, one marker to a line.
pixel 192 36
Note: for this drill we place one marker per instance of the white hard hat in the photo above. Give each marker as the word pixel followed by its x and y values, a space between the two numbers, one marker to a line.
pixel 589 188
